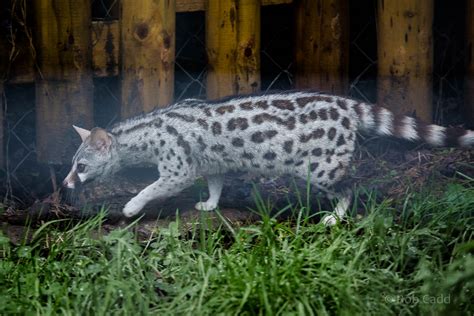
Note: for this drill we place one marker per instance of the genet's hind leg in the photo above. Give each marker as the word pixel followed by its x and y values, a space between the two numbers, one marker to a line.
pixel 215 183
pixel 343 202
pixel 343 196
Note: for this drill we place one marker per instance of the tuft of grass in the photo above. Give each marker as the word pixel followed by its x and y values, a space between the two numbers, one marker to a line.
pixel 417 259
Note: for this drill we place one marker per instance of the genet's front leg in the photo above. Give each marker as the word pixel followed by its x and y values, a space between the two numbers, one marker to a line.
pixel 164 187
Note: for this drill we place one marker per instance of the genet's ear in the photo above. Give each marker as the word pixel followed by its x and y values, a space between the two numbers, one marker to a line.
pixel 100 139
pixel 82 132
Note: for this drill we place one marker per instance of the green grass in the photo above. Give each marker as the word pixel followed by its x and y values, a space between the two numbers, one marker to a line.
pixel 416 259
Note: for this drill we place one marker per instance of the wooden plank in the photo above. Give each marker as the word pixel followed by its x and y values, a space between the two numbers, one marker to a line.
pixel 148 53
pixel 405 57
pixel 322 45
pixel 233 47
pixel 64 94
pixel 469 80
pixel 105 48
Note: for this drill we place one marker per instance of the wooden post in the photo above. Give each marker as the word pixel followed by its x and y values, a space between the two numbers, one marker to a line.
pixel 405 56
pixel 469 81
pixel 148 52
pixel 322 45
pixel 64 94
pixel 233 47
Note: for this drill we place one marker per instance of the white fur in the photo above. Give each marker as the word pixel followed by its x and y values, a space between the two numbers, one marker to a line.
pixel 408 130
pixel 385 117
pixel 436 135
pixel 467 140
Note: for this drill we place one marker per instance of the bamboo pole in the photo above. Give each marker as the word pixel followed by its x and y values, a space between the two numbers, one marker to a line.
pixel 148 52
pixel 405 56
pixel 469 82
pixel 64 94
pixel 322 45
pixel 233 47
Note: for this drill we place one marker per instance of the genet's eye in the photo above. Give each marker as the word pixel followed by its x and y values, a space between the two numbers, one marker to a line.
pixel 80 167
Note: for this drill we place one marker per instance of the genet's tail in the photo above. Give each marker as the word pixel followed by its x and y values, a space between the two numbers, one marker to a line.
pixel 383 122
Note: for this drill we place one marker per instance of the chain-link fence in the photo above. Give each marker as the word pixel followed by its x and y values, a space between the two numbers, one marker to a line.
pixel 24 179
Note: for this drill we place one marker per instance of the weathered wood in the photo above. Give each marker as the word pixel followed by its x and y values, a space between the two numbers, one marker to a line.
pixel 405 56
pixel 147 54
pixel 322 45
pixel 469 80
pixel 233 47
pixel 64 93
pixel 105 48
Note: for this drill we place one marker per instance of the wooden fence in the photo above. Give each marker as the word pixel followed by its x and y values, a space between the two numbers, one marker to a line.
pixel 68 50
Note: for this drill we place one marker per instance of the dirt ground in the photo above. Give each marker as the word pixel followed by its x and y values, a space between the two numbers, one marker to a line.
pixel 389 169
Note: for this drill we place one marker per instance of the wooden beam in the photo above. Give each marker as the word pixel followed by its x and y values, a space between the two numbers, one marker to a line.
pixel 105 48
pixel 405 57
pixel 200 5
pixel 322 45
pixel 64 94
pixel 148 54
pixel 233 47
pixel 469 80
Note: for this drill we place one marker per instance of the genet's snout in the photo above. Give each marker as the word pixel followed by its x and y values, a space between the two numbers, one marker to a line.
pixel 69 181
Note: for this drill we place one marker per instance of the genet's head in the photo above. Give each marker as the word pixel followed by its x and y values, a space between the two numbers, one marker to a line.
pixel 93 159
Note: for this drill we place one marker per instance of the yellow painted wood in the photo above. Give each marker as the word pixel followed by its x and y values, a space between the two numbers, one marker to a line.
pixel 405 56
pixel 148 54
pixel 64 94
pixel 233 47
pixel 322 45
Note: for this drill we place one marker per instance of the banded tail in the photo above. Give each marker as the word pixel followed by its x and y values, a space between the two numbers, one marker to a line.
pixel 383 122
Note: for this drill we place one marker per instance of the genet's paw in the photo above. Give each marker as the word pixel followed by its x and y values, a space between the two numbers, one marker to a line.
pixel 132 208
pixel 205 206
pixel 329 220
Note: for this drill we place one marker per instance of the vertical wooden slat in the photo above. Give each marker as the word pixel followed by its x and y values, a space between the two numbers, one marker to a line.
pixel 405 56
pixel 64 94
pixel 233 47
pixel 148 52
pixel 469 83
pixel 322 45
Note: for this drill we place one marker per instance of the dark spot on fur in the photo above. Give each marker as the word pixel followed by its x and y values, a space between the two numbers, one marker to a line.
pixel 303 118
pixel 346 123
pixel 218 148
pixel 239 122
pixel 332 173
pixel 162 142
pixel 257 137
pixel 247 155
pixel 332 133
pixel 317 152
pixel 289 162
pixel 334 114
pixel 269 155
pixel 238 142
pixel 189 160
pixel 304 153
pixel 313 115
pixel 246 106
pixel 270 167
pixel 299 163
pixel 171 130
pixel 288 146
pixel 313 166
pixel 144 146
pixel 225 108
pixel 216 128
pixel 342 104
pixel 262 104
pixel 320 174
pixel 283 105
pixel 323 114
pixel 158 123
pixel 203 123
pixel 317 133
pixel 270 134
pixel 207 111
pixel 184 117
pixel 340 140
pixel 152 142
pixel 156 151
pixel 305 100
pixel 184 144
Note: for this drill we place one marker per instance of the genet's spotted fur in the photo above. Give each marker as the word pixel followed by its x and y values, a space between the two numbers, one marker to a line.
pixel 304 134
